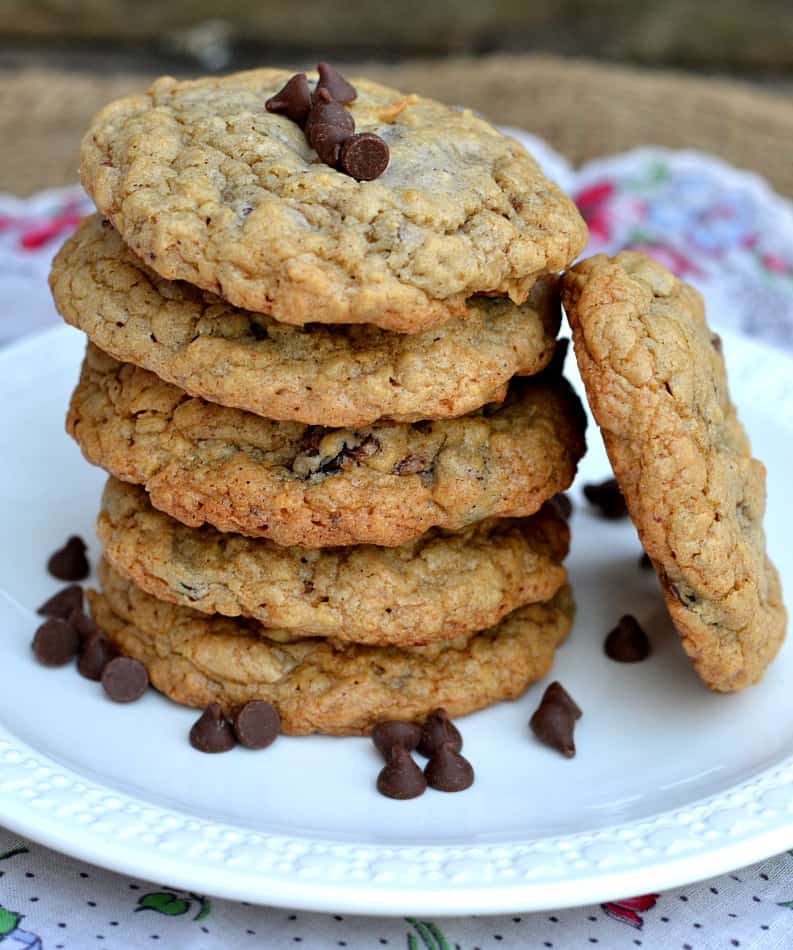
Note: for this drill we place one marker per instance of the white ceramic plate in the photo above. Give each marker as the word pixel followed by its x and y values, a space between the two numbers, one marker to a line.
pixel 671 782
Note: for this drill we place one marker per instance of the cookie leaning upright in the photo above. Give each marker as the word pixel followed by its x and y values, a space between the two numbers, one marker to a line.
pixel 657 385
pixel 206 185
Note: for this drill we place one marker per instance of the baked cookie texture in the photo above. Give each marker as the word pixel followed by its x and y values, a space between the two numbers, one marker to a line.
pixel 441 586
pixel 205 185
pixel 298 485
pixel 657 385
pixel 322 685
pixel 319 375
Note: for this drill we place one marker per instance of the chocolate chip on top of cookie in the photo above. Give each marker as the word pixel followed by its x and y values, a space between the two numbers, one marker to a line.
pixel 293 101
pixel 329 127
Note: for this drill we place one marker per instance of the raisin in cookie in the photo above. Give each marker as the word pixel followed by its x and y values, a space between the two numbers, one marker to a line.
pixel 656 381
pixel 205 185
pixel 384 484
pixel 438 587
pixel 320 375
pixel 323 685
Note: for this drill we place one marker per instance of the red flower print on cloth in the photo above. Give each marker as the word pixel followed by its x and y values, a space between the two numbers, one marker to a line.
pixel 38 233
pixel 627 911
pixel 593 203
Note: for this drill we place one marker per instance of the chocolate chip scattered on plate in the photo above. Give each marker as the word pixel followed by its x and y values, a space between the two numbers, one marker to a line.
pixel 97 651
pixel 63 603
pixel 387 734
pixel 607 498
pixel 437 730
pixel 55 643
pixel 627 642
pixel 212 732
pixel 448 771
pixel 124 679
pixel 256 724
pixel 562 505
pixel 400 777
pixel 554 720
pixel 69 563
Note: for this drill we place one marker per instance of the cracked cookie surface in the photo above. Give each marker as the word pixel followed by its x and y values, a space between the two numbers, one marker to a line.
pixel 207 186
pixel 657 385
pixel 438 587
pixel 322 685
pixel 320 375
pixel 384 484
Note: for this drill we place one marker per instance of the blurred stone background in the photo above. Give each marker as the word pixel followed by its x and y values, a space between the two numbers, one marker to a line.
pixel 736 37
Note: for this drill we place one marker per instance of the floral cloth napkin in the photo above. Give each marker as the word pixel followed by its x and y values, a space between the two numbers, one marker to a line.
pixel 721 229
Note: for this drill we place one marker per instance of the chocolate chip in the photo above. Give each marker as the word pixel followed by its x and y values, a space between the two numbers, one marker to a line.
pixel 256 724
pixel 336 85
pixel 212 732
pixel 715 342
pixel 645 563
pixel 258 332
pixel 448 771
pixel 124 679
pixel 385 735
pixel 64 603
pixel 364 156
pixel 55 642
pixel 556 693
pixel 554 720
pixel 685 595
pixel 437 730
pixel 293 101
pixel 356 452
pixel 608 498
pixel 69 563
pixel 83 624
pixel 627 642
pixel 325 111
pixel 562 505
pixel 412 465
pixel 401 777
pixel 327 141
pixel 96 653
pixel 365 449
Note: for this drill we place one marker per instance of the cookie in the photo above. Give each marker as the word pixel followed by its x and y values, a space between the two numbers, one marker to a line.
pixel 441 586
pixel 319 375
pixel 384 484
pixel 205 185
pixel 324 685
pixel 656 381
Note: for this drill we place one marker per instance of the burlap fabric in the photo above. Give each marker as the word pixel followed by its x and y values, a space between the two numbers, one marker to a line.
pixel 583 109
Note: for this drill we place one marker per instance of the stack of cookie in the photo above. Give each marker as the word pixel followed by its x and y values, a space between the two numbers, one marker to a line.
pixel 322 321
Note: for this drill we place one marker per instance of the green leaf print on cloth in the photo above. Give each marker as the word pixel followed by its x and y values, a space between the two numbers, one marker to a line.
pixel 428 933
pixel 174 905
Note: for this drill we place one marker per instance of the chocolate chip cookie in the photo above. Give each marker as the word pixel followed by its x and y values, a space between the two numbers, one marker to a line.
pixel 384 484
pixel 320 375
pixel 441 586
pixel 324 685
pixel 656 381
pixel 206 185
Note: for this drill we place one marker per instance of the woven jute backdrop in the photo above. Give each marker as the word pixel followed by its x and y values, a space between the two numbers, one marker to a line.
pixel 583 109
